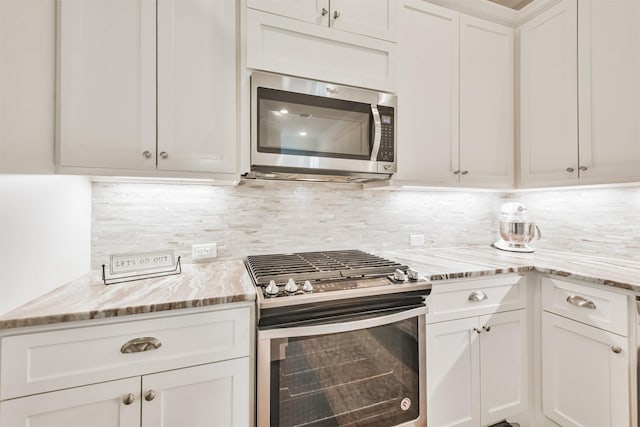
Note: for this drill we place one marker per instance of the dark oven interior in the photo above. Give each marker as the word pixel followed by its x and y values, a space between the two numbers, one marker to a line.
pixel 367 377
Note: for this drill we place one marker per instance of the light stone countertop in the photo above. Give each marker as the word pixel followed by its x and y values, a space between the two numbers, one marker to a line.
pixel 455 263
pixel 88 298
pixel 225 282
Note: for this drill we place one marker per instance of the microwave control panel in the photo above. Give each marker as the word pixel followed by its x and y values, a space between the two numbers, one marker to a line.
pixel 386 152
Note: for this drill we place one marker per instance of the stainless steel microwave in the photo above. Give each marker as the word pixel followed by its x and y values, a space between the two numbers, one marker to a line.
pixel 302 127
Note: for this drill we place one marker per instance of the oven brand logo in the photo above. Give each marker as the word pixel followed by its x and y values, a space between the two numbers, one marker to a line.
pixel 405 404
pixel 332 91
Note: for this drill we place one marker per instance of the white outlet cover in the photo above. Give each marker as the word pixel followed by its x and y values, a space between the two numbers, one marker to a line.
pixel 204 251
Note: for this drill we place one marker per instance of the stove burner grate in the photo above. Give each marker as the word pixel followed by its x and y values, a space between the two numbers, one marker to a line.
pixel 325 265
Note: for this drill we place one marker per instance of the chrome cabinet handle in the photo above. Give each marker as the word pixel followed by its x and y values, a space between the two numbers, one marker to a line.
pixel 476 296
pixel 457 172
pixel 581 301
pixel 616 349
pixel 324 11
pixel 486 328
pixel 128 399
pixel 570 170
pixel 138 345
pixel 476 330
pixel 150 395
pixel 164 154
pixel 146 154
pixel 377 132
pixel 336 15
pixel 464 172
pixel 582 168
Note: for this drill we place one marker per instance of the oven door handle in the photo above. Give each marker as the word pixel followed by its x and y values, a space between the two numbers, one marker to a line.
pixel 332 328
pixel 377 132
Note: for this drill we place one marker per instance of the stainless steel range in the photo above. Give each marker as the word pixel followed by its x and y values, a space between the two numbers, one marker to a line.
pixel 341 340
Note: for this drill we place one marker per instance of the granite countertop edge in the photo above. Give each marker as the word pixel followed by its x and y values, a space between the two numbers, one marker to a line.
pixel 227 282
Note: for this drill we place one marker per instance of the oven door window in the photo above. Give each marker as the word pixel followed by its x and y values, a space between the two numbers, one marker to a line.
pixel 368 377
pixel 307 125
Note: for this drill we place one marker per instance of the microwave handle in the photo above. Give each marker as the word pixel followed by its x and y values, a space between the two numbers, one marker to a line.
pixel 377 132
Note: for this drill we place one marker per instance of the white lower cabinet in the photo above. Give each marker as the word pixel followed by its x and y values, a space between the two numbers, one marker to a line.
pixel 200 396
pixel 172 371
pixel 585 374
pixel 97 405
pixel 477 369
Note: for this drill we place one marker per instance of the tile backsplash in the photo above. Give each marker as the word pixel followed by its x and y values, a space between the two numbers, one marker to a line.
pixel 598 221
pixel 260 217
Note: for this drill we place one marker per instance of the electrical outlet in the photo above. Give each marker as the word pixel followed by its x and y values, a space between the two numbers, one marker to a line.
pixel 207 250
pixel 416 239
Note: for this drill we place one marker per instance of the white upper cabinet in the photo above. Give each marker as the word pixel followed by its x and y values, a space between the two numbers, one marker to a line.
pixel 110 103
pixel 196 86
pixel 455 99
pixel 428 102
pixel 548 97
pixel 486 103
pixel 312 11
pixel 609 90
pixel 580 107
pixel 107 83
pixel 373 18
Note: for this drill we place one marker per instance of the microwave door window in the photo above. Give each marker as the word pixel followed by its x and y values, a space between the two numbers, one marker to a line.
pixel 310 130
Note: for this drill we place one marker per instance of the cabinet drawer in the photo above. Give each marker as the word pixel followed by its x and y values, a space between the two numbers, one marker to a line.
pixel 39 362
pixel 597 307
pixel 458 299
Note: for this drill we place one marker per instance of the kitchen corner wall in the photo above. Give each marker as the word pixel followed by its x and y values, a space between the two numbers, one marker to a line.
pixel 260 217
pixel 44 234
pixel 599 221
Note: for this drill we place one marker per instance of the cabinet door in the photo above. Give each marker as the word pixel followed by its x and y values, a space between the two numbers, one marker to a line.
pixel 303 10
pixel 503 366
pixel 98 405
pixel 548 97
pixel 453 374
pixel 585 374
pixel 374 18
pixel 216 394
pixel 428 94
pixel 197 86
pixel 609 90
pixel 486 103
pixel 107 83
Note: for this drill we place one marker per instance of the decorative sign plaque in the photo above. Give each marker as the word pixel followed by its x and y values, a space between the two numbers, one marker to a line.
pixel 143 261
pixel 142 265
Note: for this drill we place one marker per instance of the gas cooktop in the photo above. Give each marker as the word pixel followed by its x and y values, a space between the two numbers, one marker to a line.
pixel 308 275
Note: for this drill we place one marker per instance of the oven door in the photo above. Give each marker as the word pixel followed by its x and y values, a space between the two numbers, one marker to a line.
pixel 366 372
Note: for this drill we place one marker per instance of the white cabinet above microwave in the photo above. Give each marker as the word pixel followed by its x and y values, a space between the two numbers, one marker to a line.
pixel 345 42
pixel 373 18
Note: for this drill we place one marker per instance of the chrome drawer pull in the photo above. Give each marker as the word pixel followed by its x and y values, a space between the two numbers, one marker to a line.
pixel 581 301
pixel 477 296
pixel 616 349
pixel 138 345
pixel 128 399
